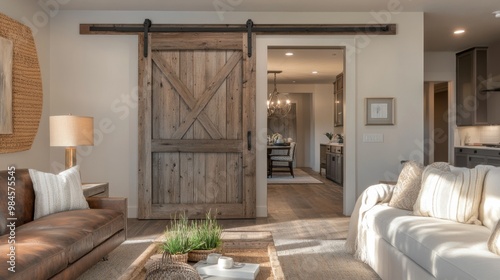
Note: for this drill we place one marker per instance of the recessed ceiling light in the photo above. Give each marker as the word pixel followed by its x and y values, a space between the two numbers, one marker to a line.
pixel 458 31
pixel 289 53
pixel 497 14
pixel 315 72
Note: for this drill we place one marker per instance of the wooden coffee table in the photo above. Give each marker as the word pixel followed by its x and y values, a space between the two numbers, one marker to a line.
pixel 242 246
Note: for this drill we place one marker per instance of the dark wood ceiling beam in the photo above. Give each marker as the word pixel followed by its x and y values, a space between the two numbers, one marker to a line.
pixel 250 28
pixel 327 29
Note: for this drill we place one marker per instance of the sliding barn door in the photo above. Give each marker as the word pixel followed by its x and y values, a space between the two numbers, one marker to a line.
pixel 196 126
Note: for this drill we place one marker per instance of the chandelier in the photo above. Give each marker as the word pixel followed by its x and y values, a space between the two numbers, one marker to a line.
pixel 278 104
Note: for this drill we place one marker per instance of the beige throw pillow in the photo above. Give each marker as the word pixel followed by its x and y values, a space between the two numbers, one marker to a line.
pixel 408 186
pixel 57 193
pixel 494 241
pixel 452 195
pixel 406 191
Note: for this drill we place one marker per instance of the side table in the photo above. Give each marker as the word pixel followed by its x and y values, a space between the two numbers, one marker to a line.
pixel 95 189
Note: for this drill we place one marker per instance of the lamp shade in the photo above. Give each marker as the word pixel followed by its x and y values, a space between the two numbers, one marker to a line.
pixel 71 131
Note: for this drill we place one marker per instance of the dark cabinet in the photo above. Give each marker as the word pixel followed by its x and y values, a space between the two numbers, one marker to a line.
pixel 470 157
pixel 471 101
pixel 335 166
pixel 331 166
pixel 460 159
pixel 474 160
pixel 338 97
pixel 493 161
pixel 339 169
pixel 493 105
pixel 323 149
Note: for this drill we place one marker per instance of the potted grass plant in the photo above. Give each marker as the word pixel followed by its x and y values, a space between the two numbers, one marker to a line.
pixel 205 238
pixel 178 239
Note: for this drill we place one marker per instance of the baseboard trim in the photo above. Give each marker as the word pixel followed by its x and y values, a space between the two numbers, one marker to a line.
pixel 261 211
pixel 132 212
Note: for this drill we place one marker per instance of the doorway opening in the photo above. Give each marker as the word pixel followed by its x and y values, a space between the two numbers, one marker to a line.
pixel 437 96
pixel 263 44
pixel 307 77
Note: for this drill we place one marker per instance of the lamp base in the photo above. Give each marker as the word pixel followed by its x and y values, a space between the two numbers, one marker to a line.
pixel 70 157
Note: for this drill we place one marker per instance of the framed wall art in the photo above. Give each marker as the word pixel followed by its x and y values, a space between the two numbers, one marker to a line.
pixel 6 53
pixel 379 111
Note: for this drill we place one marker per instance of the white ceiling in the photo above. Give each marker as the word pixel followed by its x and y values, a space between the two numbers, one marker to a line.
pixel 441 17
pixel 298 68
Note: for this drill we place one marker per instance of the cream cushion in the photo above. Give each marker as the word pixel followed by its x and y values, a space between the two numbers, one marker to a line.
pixel 494 241
pixel 57 193
pixel 489 212
pixel 453 195
pixel 407 188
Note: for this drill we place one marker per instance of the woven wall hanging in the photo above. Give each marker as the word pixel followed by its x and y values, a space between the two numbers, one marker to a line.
pixel 27 95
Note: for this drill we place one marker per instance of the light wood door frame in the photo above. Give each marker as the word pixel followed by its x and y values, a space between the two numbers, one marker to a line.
pixel 246 145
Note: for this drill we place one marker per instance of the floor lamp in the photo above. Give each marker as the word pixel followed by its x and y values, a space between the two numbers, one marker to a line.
pixel 71 131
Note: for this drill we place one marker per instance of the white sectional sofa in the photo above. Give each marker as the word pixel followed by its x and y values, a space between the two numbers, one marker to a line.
pixel 398 244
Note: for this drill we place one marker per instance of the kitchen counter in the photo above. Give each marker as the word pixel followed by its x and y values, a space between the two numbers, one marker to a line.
pixel 477 147
pixel 336 144
pixel 471 156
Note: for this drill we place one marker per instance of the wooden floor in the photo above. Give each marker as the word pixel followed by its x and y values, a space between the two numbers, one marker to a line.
pixel 308 229
pixel 286 203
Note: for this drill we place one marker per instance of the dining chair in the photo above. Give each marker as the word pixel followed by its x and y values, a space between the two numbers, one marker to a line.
pixel 282 161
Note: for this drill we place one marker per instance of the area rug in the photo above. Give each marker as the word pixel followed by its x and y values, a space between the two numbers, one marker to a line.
pixel 118 260
pixel 127 261
pixel 315 249
pixel 320 259
pixel 301 177
pixel 307 249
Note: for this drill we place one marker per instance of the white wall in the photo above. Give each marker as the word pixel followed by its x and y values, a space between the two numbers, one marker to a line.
pixel 439 66
pixel 29 13
pixel 323 117
pixel 96 75
pixel 390 67
pixel 303 155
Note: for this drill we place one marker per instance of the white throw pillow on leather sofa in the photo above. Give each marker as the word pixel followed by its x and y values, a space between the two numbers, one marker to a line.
pixel 57 193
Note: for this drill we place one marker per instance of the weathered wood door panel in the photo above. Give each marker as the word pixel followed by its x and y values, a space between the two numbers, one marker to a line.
pixel 197 126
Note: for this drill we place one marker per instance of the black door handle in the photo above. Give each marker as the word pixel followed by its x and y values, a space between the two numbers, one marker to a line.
pixel 249 140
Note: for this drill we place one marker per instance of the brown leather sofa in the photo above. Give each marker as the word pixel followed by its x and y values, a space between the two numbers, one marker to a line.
pixel 60 245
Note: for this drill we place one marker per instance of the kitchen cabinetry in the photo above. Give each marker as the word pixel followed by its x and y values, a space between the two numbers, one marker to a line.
pixel 470 157
pixel 335 165
pixel 471 103
pixel 493 105
pixel 338 97
pixel 323 149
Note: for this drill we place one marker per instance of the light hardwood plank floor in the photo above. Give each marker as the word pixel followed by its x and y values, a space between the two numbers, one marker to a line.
pixel 308 228
pixel 290 202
